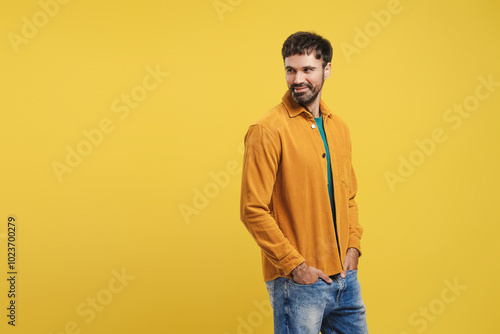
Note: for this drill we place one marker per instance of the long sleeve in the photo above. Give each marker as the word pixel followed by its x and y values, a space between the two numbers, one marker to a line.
pixel 260 167
pixel 355 229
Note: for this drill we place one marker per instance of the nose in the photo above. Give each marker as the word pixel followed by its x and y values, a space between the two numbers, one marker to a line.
pixel 299 78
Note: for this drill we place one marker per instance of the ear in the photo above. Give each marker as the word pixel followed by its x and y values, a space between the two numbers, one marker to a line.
pixel 327 71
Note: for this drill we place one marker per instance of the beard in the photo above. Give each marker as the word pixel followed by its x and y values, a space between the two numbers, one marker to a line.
pixel 307 97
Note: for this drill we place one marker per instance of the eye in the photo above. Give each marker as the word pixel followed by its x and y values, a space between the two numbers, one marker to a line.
pixel 290 70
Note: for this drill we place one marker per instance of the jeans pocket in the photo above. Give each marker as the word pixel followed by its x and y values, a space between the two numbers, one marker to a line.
pixel 304 285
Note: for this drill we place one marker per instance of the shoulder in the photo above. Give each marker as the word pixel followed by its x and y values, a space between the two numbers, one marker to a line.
pixel 341 124
pixel 274 118
pixel 272 122
pixel 339 120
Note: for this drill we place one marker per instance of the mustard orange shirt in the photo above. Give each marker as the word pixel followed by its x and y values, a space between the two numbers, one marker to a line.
pixel 285 203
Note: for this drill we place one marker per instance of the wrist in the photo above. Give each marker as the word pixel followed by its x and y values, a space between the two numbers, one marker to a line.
pixel 354 250
pixel 301 267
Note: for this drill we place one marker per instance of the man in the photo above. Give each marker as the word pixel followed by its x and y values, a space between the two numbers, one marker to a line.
pixel 297 201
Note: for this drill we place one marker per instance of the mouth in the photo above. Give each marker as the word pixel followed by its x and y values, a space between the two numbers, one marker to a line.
pixel 300 89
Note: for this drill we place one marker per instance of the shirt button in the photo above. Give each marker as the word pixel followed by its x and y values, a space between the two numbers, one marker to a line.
pixel 313 126
pixel 324 155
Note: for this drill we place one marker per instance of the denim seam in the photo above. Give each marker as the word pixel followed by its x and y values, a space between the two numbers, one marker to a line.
pixel 331 326
pixel 341 290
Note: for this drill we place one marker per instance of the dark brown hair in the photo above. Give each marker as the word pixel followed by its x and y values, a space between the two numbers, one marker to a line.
pixel 306 42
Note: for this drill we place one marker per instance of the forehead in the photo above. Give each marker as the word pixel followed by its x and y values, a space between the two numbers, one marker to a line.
pixel 303 60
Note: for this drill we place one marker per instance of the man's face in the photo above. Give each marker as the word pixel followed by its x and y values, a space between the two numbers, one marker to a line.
pixel 305 77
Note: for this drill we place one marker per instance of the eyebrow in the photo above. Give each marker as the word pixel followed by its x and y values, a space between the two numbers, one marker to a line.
pixel 308 66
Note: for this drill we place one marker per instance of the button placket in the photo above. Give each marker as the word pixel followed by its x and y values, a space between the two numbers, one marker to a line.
pixel 323 155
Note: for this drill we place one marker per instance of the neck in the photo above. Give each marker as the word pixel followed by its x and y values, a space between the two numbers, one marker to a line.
pixel 313 107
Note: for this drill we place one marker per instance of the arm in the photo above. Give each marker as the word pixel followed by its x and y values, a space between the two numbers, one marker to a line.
pixel 260 166
pixel 355 229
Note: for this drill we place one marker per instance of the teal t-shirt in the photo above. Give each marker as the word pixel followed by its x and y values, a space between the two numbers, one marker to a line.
pixel 319 123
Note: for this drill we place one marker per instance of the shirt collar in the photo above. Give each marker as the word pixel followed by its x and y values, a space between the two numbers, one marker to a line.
pixel 295 109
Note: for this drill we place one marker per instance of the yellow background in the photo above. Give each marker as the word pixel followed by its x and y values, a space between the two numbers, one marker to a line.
pixel 120 208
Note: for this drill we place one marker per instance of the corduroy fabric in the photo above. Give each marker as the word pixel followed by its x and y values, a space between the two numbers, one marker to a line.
pixel 284 197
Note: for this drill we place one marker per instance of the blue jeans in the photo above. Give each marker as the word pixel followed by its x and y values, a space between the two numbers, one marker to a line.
pixel 335 308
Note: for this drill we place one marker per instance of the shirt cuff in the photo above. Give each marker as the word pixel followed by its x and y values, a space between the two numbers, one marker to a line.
pixel 290 262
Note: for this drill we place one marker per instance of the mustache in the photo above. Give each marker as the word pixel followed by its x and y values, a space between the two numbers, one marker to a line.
pixel 293 86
